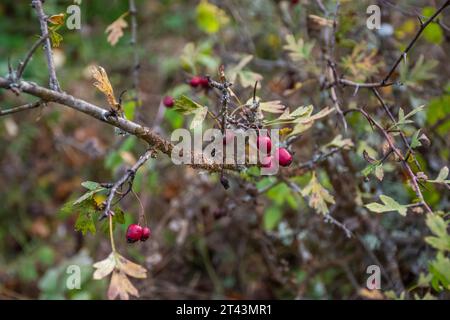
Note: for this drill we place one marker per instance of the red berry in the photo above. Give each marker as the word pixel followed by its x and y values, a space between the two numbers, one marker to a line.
pixel 283 156
pixel 264 141
pixel 195 81
pixel 145 233
pixel 168 101
pixel 294 2
pixel 204 82
pixel 134 233
pixel 267 162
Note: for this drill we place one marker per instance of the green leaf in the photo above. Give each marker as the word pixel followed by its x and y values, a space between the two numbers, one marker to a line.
pixel 90 185
pixel 438 227
pixel 272 217
pixel 415 142
pixel 420 72
pixel 442 177
pixel 433 32
pixel 175 119
pixel 185 105
pixel 85 223
pixel 440 269
pixel 298 50
pixel 389 204
pixel 129 108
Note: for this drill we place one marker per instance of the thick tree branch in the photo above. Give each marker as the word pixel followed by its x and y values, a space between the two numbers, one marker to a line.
pixel 53 81
pixel 133 128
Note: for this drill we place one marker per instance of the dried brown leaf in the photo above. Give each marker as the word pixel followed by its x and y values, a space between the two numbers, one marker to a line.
pixel 115 30
pixel 121 287
pixel 102 83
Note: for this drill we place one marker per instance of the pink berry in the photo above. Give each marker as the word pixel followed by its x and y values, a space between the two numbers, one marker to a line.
pixel 168 101
pixel 134 233
pixel 195 81
pixel 267 162
pixel 283 156
pixel 264 141
pixel 145 233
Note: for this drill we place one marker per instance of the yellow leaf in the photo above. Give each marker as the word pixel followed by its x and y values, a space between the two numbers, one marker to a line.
pixel 121 286
pixel 115 30
pixel 210 18
pixel 318 195
pixel 104 85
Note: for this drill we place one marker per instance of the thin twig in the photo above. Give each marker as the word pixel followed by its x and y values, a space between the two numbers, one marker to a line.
pixel 23 64
pixel 133 43
pixel 127 177
pixel 406 167
pixel 24 107
pixel 53 80
pixel 413 41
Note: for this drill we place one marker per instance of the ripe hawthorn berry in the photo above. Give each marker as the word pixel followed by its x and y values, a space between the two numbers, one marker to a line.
pixel 264 141
pixel 168 101
pixel 283 156
pixel 204 82
pixel 134 233
pixel 145 234
pixel 195 81
pixel 267 162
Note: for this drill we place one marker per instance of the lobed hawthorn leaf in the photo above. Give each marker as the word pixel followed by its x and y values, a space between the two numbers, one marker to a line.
pixel 388 204
pixel 298 50
pixel 318 195
pixel 115 30
pixel 438 227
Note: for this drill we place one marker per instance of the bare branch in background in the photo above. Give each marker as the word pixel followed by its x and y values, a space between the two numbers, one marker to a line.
pixel 133 43
pixel 24 107
pixel 53 80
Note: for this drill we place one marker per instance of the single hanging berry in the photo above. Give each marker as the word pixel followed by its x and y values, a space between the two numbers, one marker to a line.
pixel 168 101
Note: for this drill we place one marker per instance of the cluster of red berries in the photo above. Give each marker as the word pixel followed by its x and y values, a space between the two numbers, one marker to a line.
pixel 198 81
pixel 135 233
pixel 282 155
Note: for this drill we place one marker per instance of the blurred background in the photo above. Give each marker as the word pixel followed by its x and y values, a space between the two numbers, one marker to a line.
pixel 260 239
